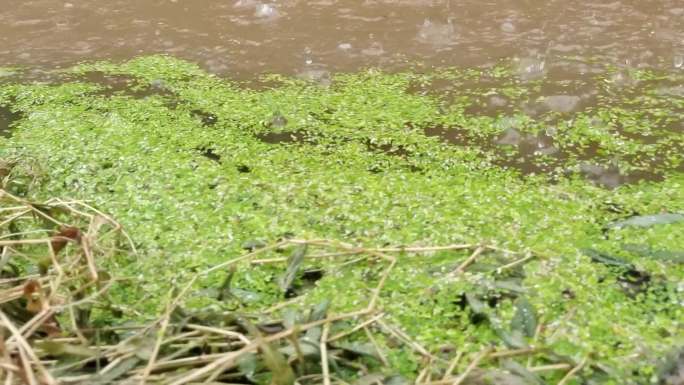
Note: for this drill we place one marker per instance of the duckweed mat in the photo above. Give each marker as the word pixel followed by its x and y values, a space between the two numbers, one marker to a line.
pixel 233 195
pixel 54 283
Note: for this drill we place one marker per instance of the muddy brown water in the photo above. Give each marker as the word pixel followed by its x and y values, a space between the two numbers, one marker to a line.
pixel 244 37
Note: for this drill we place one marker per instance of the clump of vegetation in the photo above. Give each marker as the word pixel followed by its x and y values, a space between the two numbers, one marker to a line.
pixel 580 279
pixel 62 327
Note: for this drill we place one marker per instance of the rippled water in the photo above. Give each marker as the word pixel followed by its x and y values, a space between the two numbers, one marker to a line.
pixel 243 37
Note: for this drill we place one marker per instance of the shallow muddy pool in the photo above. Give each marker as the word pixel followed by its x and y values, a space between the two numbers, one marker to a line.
pixel 243 37
pixel 491 140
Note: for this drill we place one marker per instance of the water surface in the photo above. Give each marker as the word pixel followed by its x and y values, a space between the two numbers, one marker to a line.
pixel 243 37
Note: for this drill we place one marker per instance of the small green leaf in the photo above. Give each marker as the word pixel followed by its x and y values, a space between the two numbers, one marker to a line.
pixel 477 306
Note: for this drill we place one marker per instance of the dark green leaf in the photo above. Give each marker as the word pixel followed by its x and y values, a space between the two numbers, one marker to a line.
pixel 525 318
pixel 277 364
pixel 648 220
pixel 646 251
pixel 513 339
pixel 248 365
pixel 293 265
pixel 362 349
pixel 272 358
pixel 319 311
pixel 510 285
pixel 245 296
pixel 307 348
pixel 224 290
pixel 530 378
pixel 599 257
pixel 253 244
pixel 477 306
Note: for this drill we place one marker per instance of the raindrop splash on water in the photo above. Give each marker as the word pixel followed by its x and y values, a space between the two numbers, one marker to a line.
pixel 678 61
pixel 437 34
pixel 308 60
pixel 266 11
pixel 375 49
pixel 531 68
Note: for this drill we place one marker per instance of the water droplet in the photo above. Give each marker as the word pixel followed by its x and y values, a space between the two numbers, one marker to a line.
pixel 374 50
pixel 435 33
pixel 508 27
pixel 307 56
pixel 245 4
pixel 266 11
pixel 678 61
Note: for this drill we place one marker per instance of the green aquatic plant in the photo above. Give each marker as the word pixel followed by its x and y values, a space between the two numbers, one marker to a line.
pixel 186 167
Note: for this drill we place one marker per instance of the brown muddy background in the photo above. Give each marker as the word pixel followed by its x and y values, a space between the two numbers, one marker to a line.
pixel 239 38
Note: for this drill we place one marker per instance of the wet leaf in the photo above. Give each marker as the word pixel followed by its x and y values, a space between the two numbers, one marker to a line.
pixel 224 290
pixel 648 220
pixel 294 262
pixel 245 296
pixel 290 317
pixel 525 318
pixel 253 244
pixel 529 377
pixel 314 334
pixel 248 365
pixel 358 348
pixel 510 285
pixel 599 257
pixel 307 347
pixel 477 306
pixel 274 360
pixel 646 251
pixel 513 339
pixel 320 311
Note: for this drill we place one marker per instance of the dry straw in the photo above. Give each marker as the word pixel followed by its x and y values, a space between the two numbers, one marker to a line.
pixel 52 260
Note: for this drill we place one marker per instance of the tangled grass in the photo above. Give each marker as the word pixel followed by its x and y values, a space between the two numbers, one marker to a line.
pixel 54 281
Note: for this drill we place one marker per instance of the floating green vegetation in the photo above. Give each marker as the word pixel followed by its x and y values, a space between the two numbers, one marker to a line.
pixel 198 168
